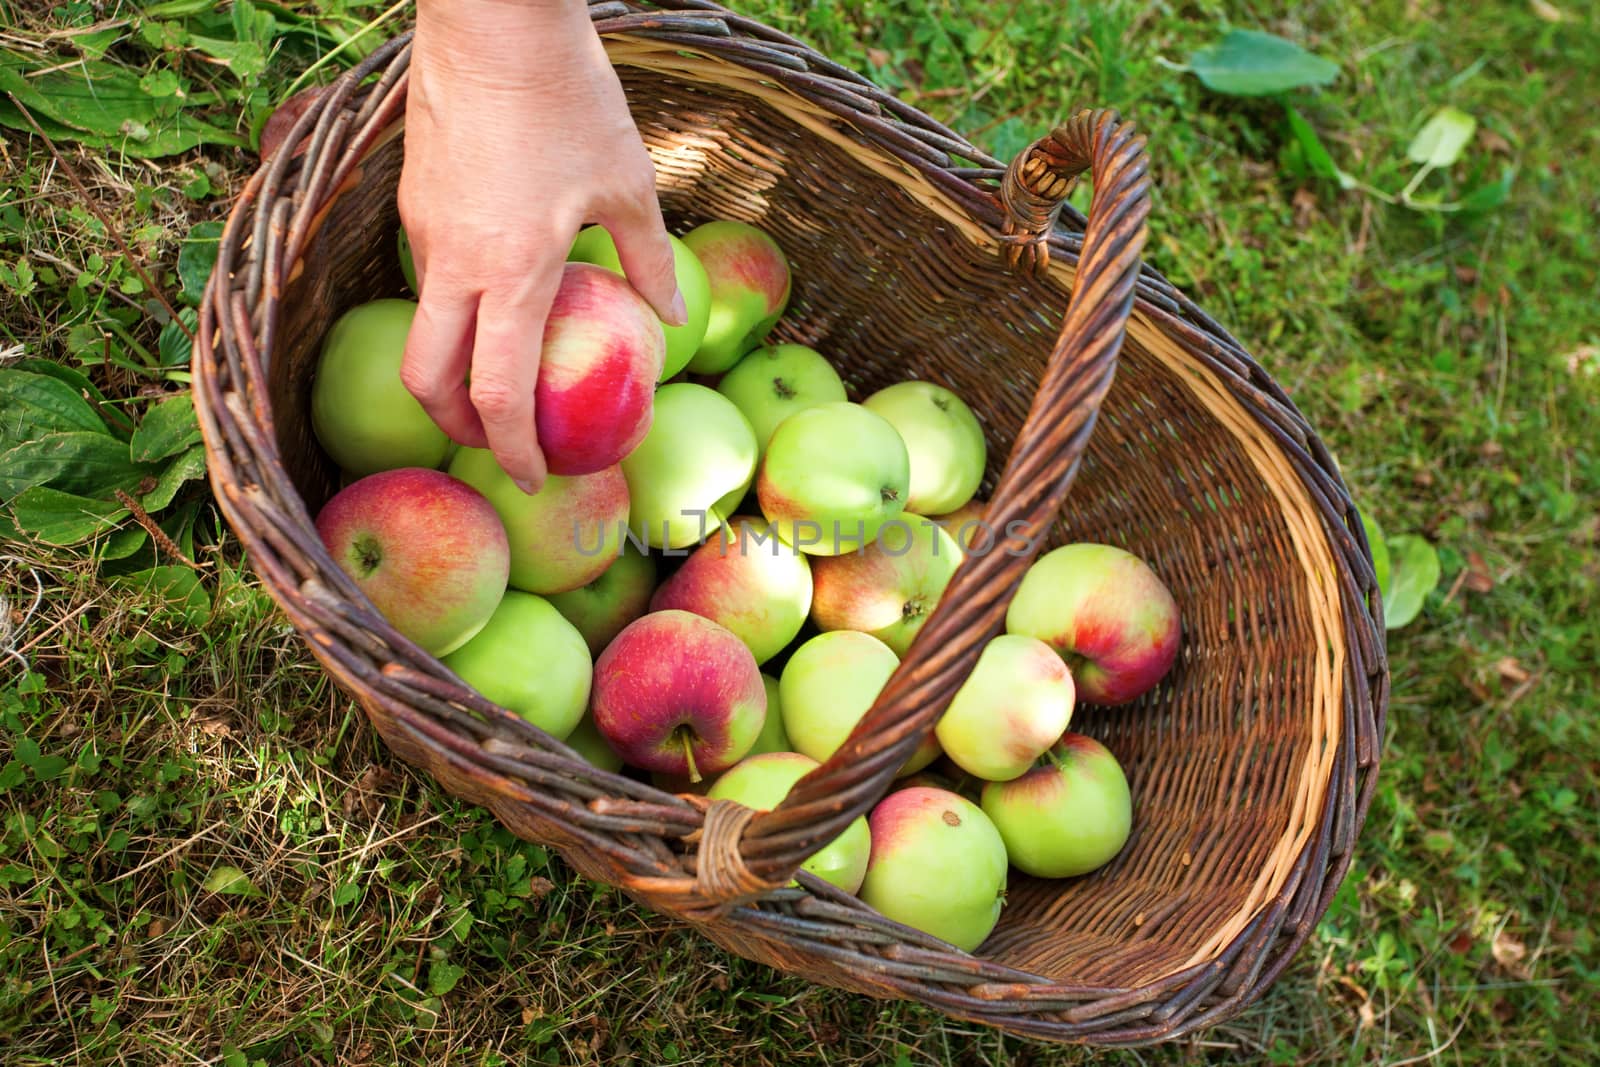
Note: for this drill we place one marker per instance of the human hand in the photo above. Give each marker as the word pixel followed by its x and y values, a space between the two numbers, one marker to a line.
pixel 517 134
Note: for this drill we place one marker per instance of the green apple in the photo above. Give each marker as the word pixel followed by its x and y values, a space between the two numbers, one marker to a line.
pixel 603 607
pixel 938 865
pixel 943 438
pixel 362 415
pixel 772 737
pixel 762 781
pixel 833 475
pixel 1067 817
pixel 564 536
pixel 529 660
pixel 889 588
pixel 775 381
pixel 829 684
pixel 586 741
pixel 1106 613
pixel 749 283
pixel 699 455
pixel 1014 705
pixel 594 245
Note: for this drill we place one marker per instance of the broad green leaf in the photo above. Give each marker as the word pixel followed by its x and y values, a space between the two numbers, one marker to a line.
pixel 32 405
pixel 196 258
pixel 167 429
pixel 1380 551
pixel 442 977
pixel 76 379
pixel 123 543
pixel 58 518
pixel 88 464
pixel 1251 63
pixel 187 467
pixel 1316 155
pixel 173 347
pixel 230 880
pixel 102 103
pixel 178 585
pixel 1441 139
pixel 246 59
pixel 1414 574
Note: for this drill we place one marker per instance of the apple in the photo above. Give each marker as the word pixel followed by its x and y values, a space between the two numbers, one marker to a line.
pixel 761 782
pixel 586 741
pixel 749 280
pixel 829 684
pixel 682 783
pixel 602 353
pixel 772 737
pixel 1014 705
pixel 969 527
pixel 595 245
pixel 564 536
pixel 363 416
pixel 943 438
pixel 529 660
pixel 1106 613
pixel 408 266
pixel 746 579
pixel 606 604
pixel 678 694
pixel 692 468
pixel 832 476
pixel 937 865
pixel 427 550
pixel 775 381
pixel 889 588
pixel 1067 817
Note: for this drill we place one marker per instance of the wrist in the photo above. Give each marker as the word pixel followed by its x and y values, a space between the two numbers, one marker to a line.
pixel 499 42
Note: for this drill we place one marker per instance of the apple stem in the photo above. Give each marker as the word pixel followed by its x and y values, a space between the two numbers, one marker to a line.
pixel 688 755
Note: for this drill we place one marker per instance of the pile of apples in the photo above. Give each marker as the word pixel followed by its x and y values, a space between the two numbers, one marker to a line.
pixel 717 506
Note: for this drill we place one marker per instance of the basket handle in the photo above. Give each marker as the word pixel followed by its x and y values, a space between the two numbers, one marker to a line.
pixel 737 857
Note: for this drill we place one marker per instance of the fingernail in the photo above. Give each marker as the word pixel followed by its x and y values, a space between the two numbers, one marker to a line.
pixel 680 311
pixel 525 486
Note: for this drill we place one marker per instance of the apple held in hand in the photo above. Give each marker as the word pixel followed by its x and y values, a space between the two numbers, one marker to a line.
pixel 602 353
pixel 425 548
pixel 606 604
pixel 1014 705
pixel 761 782
pixel 1106 613
pixel 595 245
pixel 362 414
pixel 889 588
pixel 692 468
pixel 1067 817
pixel 678 694
pixel 746 579
pixel 828 686
pixel 938 865
pixel 564 536
pixel 529 660
pixel 749 279
pixel 775 381
pixel 943 438
pixel 833 475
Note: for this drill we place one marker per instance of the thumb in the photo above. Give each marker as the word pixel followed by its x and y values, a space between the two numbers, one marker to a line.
pixel 646 254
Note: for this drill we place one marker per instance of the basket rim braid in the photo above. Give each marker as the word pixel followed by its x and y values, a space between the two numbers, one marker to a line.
pixel 715 864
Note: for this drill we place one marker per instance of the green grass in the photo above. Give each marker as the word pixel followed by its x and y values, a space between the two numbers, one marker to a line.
pixel 1450 361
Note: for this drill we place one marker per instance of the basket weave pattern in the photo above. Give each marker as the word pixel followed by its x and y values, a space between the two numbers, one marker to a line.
pixel 915 255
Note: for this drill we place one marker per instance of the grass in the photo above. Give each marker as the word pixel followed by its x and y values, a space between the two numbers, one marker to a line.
pixel 206 856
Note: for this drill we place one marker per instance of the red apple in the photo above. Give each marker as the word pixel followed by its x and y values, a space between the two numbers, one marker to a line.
pixel 889 588
pixel 750 282
pixel 427 549
pixel 1106 613
pixel 603 350
pixel 677 694
pixel 746 579
pixel 564 536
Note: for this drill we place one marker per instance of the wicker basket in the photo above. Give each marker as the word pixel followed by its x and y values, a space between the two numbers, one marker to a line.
pixel 915 255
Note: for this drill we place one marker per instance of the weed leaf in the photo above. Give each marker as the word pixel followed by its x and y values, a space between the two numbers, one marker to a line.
pixel 1441 139
pixel 32 405
pixel 88 464
pixel 1251 63
pixel 167 429
pixel 63 519
pixel 1414 574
